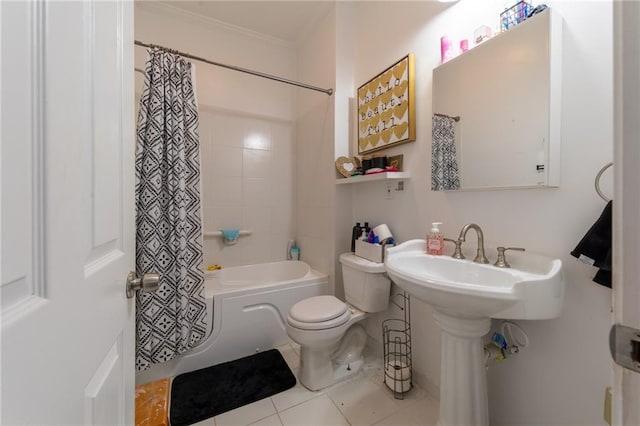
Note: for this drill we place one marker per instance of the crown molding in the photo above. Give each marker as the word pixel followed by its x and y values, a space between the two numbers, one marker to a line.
pixel 212 22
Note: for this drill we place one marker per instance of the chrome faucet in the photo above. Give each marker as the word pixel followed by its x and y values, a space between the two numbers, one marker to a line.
pixel 480 257
pixel 457 253
pixel 502 260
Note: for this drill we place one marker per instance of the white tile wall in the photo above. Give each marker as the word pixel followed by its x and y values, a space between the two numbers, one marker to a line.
pixel 248 169
pixel 226 161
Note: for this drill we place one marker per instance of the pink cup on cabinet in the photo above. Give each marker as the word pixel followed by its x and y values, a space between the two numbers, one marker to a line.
pixel 464 45
pixel 446 51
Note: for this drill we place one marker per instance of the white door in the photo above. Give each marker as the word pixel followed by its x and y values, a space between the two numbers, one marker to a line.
pixel 627 198
pixel 67 128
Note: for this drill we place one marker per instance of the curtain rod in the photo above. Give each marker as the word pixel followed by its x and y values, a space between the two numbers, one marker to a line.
pixel 456 118
pixel 235 68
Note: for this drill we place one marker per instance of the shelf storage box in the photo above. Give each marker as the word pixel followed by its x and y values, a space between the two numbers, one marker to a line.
pixel 372 252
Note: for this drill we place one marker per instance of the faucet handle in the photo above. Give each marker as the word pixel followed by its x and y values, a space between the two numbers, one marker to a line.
pixel 457 254
pixel 502 260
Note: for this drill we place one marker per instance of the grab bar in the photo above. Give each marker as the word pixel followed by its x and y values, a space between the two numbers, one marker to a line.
pixel 216 234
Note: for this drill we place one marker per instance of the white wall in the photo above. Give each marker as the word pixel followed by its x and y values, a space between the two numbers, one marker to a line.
pixel 315 154
pixel 561 377
pixel 247 130
pixel 344 131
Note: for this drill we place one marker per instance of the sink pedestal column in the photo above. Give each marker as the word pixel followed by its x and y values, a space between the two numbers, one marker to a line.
pixel 463 382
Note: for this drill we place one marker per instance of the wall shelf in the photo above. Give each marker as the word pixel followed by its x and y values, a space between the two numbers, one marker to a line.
pixel 373 177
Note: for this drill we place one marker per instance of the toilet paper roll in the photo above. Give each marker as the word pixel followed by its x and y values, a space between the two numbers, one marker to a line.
pixel 398 386
pixel 397 376
pixel 382 231
pixel 397 370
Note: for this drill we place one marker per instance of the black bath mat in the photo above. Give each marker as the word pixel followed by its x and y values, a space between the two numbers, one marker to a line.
pixel 200 394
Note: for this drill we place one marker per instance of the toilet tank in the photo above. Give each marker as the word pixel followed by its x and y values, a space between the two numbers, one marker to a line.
pixel 365 285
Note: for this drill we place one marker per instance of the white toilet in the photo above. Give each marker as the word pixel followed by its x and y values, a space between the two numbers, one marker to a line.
pixel 325 327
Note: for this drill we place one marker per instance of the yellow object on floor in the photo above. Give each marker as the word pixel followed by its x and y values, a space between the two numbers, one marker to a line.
pixel 214 267
pixel 152 403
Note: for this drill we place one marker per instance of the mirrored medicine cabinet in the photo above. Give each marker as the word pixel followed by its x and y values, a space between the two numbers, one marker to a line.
pixel 507 95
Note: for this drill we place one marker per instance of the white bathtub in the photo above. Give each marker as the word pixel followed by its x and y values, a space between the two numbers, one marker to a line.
pixel 247 308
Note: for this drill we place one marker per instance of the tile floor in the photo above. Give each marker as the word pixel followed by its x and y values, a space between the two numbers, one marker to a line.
pixel 362 400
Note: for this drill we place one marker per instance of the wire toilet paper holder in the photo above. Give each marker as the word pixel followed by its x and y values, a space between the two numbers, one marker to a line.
pixel 396 341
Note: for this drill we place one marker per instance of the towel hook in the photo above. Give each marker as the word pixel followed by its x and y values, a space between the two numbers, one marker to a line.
pixel 597 183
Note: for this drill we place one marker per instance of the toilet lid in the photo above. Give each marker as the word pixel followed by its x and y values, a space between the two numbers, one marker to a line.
pixel 318 309
pixel 322 325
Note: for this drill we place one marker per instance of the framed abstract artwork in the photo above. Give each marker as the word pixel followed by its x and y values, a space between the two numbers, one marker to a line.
pixel 386 108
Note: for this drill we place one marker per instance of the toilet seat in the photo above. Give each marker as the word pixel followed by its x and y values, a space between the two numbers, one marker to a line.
pixel 318 313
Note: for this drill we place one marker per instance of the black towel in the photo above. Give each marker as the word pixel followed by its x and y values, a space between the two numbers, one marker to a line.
pixel 603 277
pixel 595 247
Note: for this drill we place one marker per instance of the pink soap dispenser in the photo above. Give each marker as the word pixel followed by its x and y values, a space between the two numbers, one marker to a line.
pixel 435 240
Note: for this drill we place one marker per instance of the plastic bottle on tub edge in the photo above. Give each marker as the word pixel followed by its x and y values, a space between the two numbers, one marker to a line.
pixel 435 240
pixel 295 253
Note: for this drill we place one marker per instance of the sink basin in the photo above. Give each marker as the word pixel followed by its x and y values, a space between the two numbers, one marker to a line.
pixel 533 288
pixel 465 296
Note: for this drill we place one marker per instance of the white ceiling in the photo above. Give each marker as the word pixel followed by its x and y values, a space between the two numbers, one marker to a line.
pixel 285 20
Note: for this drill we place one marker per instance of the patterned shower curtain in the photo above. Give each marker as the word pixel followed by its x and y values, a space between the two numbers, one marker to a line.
pixel 444 165
pixel 168 220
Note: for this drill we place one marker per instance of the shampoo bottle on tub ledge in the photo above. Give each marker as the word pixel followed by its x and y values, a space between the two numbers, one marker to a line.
pixel 295 253
pixel 435 240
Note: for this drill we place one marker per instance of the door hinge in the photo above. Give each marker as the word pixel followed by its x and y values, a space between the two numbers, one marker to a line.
pixel 624 344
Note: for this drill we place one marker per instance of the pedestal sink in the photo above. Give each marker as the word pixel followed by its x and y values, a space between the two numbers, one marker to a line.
pixel 465 296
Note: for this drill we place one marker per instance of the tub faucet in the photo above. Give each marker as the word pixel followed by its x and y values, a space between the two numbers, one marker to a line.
pixel 480 257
